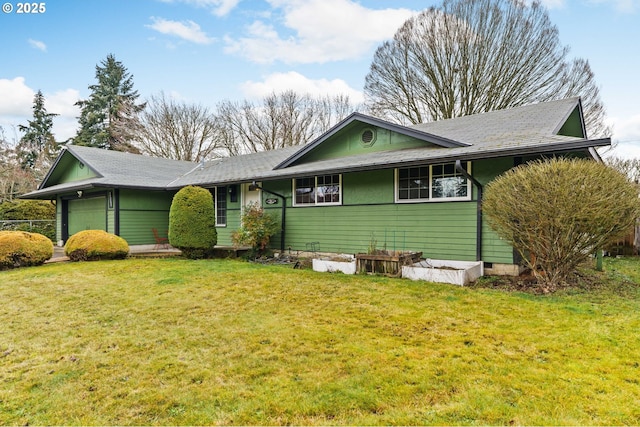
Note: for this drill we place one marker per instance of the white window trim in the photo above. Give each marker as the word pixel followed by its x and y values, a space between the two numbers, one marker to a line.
pixel 315 183
pixel 431 199
pixel 215 208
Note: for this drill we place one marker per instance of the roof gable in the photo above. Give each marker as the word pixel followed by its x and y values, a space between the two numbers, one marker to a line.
pixel 574 124
pixel 359 134
pixel 67 168
pixel 113 168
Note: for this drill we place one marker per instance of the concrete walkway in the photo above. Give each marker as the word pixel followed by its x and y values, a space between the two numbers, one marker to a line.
pixel 135 250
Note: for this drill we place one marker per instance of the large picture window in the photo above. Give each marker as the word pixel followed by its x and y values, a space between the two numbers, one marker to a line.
pixel 318 190
pixel 432 183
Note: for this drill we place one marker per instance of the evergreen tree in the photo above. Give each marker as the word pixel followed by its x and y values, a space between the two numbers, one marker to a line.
pixel 110 107
pixel 38 147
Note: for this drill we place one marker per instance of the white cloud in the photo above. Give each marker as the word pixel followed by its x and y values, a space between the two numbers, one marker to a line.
pixel 188 30
pixel 625 128
pixel 217 7
pixel 323 30
pixel 280 82
pixel 622 6
pixel 37 44
pixel 626 136
pixel 626 150
pixel 16 98
pixel 224 6
pixel 16 103
pixel 552 4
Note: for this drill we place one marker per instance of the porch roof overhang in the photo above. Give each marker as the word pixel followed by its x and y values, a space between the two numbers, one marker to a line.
pixel 50 193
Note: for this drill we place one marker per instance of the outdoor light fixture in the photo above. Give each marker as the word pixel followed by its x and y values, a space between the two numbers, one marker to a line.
pixel 79 193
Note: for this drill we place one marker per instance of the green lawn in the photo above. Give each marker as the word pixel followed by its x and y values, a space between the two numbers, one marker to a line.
pixel 174 341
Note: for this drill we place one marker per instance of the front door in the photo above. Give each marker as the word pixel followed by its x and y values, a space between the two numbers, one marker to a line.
pixel 250 195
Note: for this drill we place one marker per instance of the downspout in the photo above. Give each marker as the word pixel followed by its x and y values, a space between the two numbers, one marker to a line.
pixel 464 173
pixel 254 186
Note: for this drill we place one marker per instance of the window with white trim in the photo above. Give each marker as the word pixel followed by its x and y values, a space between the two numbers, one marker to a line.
pixel 318 190
pixel 221 206
pixel 432 183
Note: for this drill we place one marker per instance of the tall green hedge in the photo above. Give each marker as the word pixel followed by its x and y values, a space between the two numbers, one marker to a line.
pixel 27 209
pixel 192 222
pixel 42 211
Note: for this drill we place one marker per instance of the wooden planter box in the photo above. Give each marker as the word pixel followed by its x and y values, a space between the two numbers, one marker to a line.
pixel 386 262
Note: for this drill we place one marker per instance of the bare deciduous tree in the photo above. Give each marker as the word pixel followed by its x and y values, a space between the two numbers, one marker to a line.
pixel 175 130
pixel 282 120
pixel 628 166
pixel 474 56
pixel 14 180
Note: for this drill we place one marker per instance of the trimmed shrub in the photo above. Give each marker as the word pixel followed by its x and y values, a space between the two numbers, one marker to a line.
pixel 27 209
pixel 21 249
pixel 40 210
pixel 192 222
pixel 557 213
pixel 93 245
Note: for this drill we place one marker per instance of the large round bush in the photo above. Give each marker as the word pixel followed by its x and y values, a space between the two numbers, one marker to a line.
pixel 20 249
pixel 558 212
pixel 192 222
pixel 90 245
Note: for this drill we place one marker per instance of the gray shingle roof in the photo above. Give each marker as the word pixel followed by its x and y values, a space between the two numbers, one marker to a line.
pixel 246 168
pixel 115 169
pixel 525 124
pixel 530 129
pixel 130 170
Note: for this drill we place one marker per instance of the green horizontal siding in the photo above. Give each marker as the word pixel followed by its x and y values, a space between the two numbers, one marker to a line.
pixel 233 223
pixel 437 229
pixel 69 169
pixel 140 212
pixel 348 142
pixel 87 214
pixel 136 225
pixel 494 249
pixel 141 200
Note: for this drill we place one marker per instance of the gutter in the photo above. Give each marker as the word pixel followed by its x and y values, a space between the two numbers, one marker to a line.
pixel 466 174
pixel 254 186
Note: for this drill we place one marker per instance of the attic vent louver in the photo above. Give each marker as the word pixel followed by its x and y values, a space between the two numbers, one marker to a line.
pixel 368 137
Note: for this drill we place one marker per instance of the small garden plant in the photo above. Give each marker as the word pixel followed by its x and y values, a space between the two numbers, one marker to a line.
pixel 92 245
pixel 257 229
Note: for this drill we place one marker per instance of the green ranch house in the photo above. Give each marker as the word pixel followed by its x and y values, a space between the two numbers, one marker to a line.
pixel 406 187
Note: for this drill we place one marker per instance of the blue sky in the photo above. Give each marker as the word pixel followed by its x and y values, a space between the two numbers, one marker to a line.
pixel 205 51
